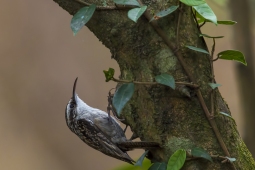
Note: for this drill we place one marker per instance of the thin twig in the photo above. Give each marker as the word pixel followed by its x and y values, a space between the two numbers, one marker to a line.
pixel 218 156
pixel 212 104
pixel 154 83
pixel 213 81
pixel 202 24
pixel 178 25
pixel 221 157
pixel 224 159
pixel 131 81
pixel 105 7
pixel 188 84
pixel 195 18
pixel 213 48
pixel 216 58
pixel 212 122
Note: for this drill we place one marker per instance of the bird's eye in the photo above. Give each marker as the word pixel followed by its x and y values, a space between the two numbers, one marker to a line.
pixel 72 105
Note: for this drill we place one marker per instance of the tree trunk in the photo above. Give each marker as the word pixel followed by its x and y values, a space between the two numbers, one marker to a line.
pixel 246 75
pixel 158 113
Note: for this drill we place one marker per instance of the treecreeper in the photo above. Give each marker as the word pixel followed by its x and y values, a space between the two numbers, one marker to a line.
pixel 100 130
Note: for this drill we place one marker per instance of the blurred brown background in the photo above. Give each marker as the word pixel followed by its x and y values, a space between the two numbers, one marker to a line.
pixel 40 58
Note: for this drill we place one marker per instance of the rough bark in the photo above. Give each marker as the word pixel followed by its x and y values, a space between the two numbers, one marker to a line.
pixel 246 75
pixel 158 113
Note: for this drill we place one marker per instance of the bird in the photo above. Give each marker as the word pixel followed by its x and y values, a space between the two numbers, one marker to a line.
pixel 99 129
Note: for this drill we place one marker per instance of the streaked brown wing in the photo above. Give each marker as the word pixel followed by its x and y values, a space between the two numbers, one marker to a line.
pixel 96 139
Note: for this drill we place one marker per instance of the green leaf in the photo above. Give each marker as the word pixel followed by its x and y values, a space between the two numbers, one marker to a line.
pixel 231 159
pixel 206 12
pixel 122 96
pixel 208 36
pixel 136 13
pixel 82 17
pixel 127 2
pixel 200 18
pixel 166 79
pixel 177 160
pixel 232 55
pixel 158 166
pixel 193 2
pixel 197 49
pixel 227 22
pixel 109 74
pixel 164 13
pixel 139 162
pixel 214 85
pixel 201 153
pixel 225 114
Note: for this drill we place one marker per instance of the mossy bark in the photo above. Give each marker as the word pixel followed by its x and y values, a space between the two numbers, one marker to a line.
pixel 243 33
pixel 158 113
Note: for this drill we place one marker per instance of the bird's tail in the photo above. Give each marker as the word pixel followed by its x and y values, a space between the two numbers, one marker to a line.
pixel 129 145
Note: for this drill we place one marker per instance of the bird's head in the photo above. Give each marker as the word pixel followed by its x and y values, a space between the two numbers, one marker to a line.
pixel 73 106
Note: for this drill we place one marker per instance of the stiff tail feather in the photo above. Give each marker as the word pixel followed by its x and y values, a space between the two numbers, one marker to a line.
pixel 129 145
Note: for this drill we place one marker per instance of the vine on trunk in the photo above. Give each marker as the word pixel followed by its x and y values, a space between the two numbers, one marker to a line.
pixel 202 14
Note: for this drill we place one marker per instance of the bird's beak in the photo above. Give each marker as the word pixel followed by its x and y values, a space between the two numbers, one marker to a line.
pixel 74 88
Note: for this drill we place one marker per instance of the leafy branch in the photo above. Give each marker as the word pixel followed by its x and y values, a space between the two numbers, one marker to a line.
pixel 125 91
pixel 202 14
pixel 178 54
